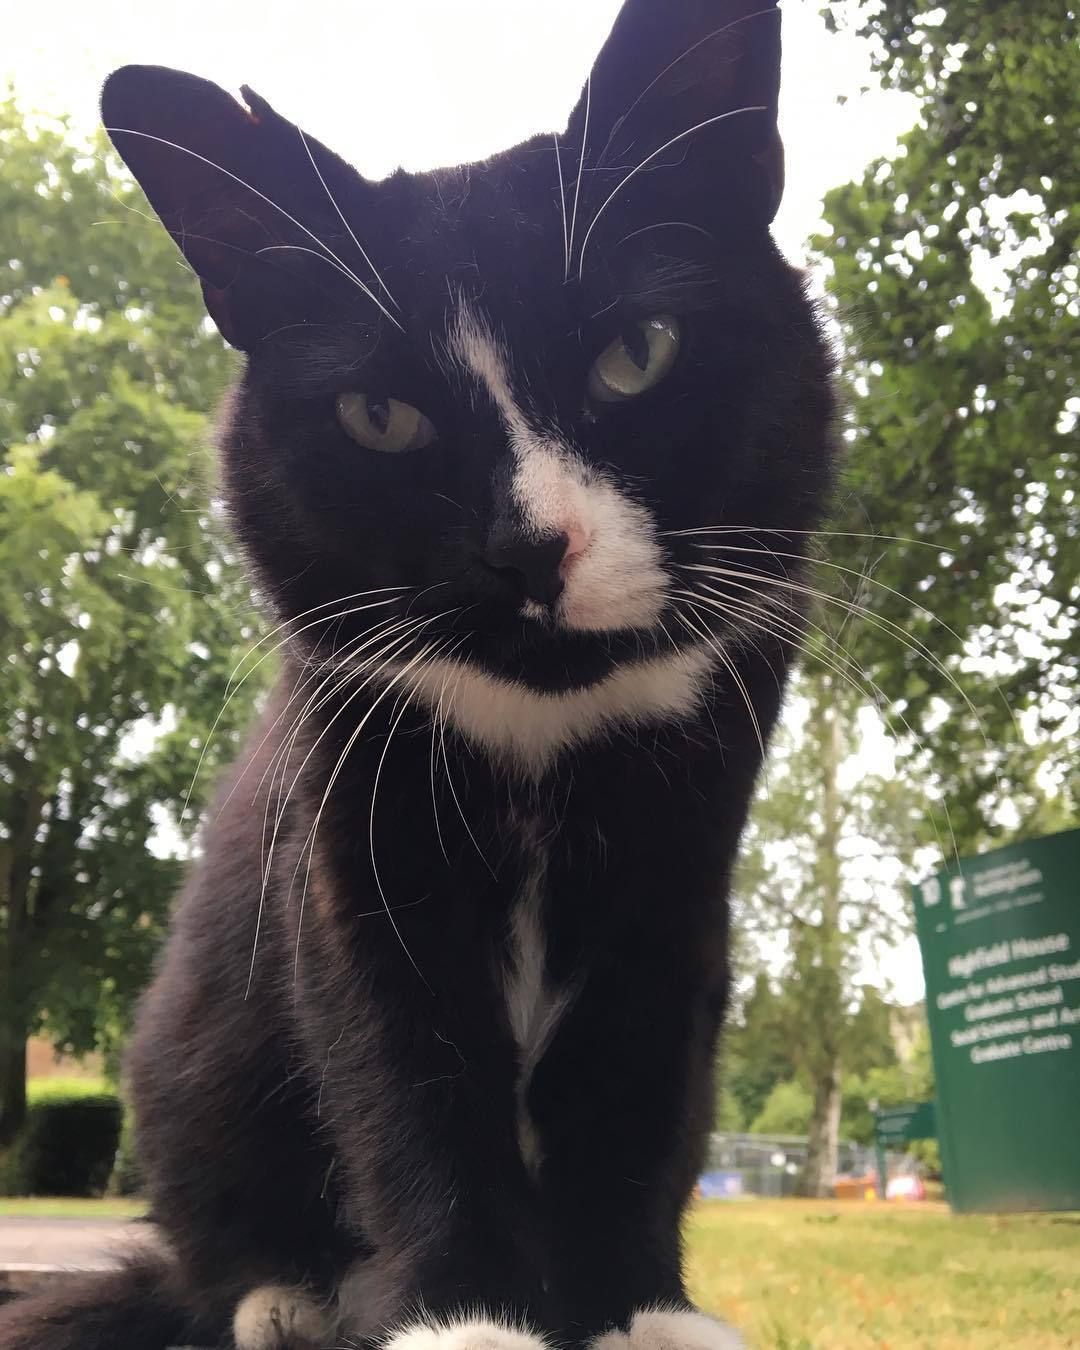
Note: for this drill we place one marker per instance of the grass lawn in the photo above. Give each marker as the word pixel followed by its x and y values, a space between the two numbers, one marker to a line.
pixel 57 1207
pixel 809 1275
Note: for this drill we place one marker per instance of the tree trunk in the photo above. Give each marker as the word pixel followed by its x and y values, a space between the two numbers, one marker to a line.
pixel 821 1151
pixel 16 871
pixel 829 1012
pixel 12 1082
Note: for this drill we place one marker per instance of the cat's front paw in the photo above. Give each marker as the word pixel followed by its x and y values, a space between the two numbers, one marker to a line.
pixel 671 1329
pixel 463 1333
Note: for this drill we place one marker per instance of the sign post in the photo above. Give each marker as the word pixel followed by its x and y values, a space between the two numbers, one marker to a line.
pixel 1000 940
pixel 895 1125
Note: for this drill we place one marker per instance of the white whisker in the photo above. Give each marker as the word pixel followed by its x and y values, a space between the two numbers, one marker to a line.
pixel 281 758
pixel 402 633
pixel 232 691
pixel 785 531
pixel 438 726
pixel 717 647
pixel 453 789
pixel 581 166
pixel 309 845
pixel 341 217
pixel 709 121
pixel 397 715
pixel 877 621
pixel 332 262
pixel 717 32
pixel 562 202
pixel 146 135
pixel 371 667
pixel 864 578
pixel 740 612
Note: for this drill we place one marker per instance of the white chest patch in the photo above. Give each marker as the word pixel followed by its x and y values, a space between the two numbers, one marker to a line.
pixel 528 730
pixel 534 1007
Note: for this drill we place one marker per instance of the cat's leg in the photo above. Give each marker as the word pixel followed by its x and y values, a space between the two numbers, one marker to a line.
pixel 417 1100
pixel 621 1106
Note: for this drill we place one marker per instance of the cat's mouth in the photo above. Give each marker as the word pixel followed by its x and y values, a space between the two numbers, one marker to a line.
pixel 548 658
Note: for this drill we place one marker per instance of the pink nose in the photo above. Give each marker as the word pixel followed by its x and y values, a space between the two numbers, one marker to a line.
pixel 577 541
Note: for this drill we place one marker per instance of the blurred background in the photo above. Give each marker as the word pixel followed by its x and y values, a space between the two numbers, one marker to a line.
pixel 934 195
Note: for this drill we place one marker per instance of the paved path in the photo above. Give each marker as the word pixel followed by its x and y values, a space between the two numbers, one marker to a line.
pixel 34 1251
pixel 84 1244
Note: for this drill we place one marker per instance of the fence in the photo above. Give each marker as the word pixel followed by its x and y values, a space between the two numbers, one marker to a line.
pixel 772 1164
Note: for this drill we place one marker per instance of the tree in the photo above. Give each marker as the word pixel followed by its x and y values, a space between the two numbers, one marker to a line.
pixel 954 272
pixel 121 613
pixel 824 863
pixel 954 556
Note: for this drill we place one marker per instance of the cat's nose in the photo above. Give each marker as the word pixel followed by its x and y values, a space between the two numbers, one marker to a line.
pixel 532 566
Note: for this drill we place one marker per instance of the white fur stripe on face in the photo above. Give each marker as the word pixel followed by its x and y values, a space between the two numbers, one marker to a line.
pixel 529 730
pixel 614 569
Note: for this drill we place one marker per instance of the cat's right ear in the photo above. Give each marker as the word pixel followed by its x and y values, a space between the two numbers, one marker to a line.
pixel 238 188
pixel 689 88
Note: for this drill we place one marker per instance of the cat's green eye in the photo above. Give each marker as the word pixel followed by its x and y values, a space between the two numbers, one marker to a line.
pixel 640 357
pixel 384 424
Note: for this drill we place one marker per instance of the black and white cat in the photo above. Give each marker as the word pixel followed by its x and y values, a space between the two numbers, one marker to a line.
pixel 429 1056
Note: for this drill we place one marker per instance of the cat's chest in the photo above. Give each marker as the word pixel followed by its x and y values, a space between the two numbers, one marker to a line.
pixel 536 1000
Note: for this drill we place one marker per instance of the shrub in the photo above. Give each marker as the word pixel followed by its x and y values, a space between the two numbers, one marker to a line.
pixel 126 1176
pixel 68 1143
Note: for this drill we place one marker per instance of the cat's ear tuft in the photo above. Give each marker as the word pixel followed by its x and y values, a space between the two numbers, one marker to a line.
pixel 692 83
pixel 258 108
pixel 233 185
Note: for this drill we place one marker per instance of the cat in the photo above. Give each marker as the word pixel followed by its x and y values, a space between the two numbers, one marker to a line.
pixel 429 1056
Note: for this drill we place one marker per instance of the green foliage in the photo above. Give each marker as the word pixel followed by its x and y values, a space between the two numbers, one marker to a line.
pixel 755 1055
pixel 955 272
pixel 870 1047
pixel 728 1115
pixel 763 1078
pixel 121 611
pixel 787 1110
pixel 67 1145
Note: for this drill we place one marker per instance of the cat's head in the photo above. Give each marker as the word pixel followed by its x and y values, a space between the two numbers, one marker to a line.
pixel 506 404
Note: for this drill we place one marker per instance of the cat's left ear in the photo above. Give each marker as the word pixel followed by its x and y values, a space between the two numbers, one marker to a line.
pixel 691 83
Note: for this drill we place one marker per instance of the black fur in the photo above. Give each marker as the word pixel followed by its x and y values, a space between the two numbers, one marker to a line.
pixel 347 1093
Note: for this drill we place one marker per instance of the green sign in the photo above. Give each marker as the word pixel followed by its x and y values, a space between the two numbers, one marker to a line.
pixel 1000 939
pixel 895 1125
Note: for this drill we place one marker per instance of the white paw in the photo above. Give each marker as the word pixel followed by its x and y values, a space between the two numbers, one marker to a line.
pixel 671 1329
pixel 273 1317
pixel 465 1333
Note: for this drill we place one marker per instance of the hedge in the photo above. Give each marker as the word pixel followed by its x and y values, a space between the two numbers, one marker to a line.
pixel 69 1141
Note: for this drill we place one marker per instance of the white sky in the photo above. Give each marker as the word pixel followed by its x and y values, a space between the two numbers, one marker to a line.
pixel 427 82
